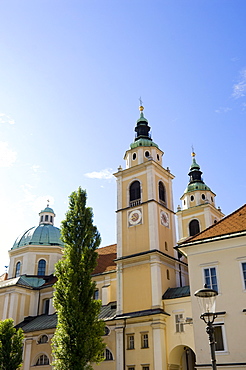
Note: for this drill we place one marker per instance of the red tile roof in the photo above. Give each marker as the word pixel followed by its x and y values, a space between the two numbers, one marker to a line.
pixel 106 257
pixel 233 223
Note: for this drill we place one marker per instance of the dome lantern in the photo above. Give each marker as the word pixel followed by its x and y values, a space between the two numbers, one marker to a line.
pixel 47 216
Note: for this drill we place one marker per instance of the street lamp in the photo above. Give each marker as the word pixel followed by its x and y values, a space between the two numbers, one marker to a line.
pixel 206 298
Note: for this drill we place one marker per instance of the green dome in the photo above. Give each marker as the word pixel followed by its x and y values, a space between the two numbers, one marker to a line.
pixel 47 209
pixel 143 142
pixel 40 235
pixel 196 186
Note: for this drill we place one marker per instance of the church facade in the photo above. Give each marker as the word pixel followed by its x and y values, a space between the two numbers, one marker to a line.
pixel 146 283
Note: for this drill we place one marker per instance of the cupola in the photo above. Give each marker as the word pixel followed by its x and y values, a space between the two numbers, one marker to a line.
pixel 198 210
pixel 47 216
pixel 143 148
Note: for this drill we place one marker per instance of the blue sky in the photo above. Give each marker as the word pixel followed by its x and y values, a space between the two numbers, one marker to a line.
pixel 71 73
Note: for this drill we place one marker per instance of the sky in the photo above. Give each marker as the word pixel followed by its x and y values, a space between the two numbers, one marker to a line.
pixel 71 74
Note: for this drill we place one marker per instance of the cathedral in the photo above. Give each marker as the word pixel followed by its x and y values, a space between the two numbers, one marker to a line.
pixel 146 281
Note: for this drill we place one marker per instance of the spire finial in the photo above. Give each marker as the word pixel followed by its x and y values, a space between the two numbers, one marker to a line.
pixel 141 107
pixel 193 154
pixel 48 203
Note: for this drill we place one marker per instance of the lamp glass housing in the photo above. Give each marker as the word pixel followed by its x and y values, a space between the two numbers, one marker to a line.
pixel 206 299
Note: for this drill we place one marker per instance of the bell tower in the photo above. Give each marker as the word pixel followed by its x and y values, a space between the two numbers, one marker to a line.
pixel 145 224
pixel 198 210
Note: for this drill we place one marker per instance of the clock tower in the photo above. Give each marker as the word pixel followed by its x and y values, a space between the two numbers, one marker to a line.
pixel 146 260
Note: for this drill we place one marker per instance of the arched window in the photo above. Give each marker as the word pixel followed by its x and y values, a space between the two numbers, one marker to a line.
pixel 108 355
pixel 162 192
pixel 42 360
pixel 41 267
pixel 17 269
pixel 194 227
pixel 43 339
pixel 135 193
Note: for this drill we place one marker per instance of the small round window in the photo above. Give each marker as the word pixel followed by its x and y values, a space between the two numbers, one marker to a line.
pixel 192 198
pixel 203 197
pixel 134 156
pixel 146 154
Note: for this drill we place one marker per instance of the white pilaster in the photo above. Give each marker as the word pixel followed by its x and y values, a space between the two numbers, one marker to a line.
pixel 33 304
pixel 22 308
pixel 6 306
pixel 159 345
pixel 119 234
pixel 51 308
pixel 207 215
pixel 180 225
pixel 153 226
pixel 150 183
pixel 12 305
pixel 140 155
pixel 119 348
pixel 105 294
pixel 119 289
pixel 27 354
pixel 156 285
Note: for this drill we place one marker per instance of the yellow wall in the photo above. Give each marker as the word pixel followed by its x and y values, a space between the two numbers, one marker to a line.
pixel 136 287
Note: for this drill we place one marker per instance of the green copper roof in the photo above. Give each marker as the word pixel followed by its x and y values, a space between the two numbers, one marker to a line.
pixel 196 186
pixel 179 292
pixel 38 323
pixel 142 118
pixel 47 209
pixel 143 142
pixel 196 182
pixel 28 281
pixel 194 165
pixel 40 235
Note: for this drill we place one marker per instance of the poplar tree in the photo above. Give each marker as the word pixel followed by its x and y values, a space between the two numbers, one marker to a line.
pixel 77 341
pixel 11 343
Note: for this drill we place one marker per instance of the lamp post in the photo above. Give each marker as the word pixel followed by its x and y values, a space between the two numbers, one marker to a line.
pixel 206 298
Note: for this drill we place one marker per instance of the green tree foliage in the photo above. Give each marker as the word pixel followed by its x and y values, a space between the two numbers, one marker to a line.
pixel 78 338
pixel 11 343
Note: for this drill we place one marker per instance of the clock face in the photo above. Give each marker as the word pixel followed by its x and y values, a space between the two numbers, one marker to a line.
pixel 164 218
pixel 135 217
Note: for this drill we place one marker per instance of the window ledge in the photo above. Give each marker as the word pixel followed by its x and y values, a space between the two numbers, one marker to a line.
pixel 221 353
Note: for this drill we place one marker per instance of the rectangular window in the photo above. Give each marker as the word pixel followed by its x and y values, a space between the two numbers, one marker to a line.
pixel 145 368
pixel 244 273
pixel 130 341
pixel 46 306
pixel 218 334
pixel 96 294
pixel 210 278
pixel 145 340
pixel 131 368
pixel 179 323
